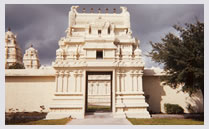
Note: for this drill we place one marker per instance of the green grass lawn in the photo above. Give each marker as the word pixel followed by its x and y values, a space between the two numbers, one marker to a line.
pixel 92 108
pixel 165 121
pixel 46 122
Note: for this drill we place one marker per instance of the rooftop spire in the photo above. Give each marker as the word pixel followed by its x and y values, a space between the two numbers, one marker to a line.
pixel 84 10
pixel 92 10
pixel 106 10
pixel 9 29
pixel 99 10
pixel 114 10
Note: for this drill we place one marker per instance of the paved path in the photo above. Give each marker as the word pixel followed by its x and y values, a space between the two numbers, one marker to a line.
pixel 99 119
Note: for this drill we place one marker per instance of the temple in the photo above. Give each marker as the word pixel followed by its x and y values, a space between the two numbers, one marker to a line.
pixel 13 52
pixel 99 63
pixel 95 44
pixel 30 58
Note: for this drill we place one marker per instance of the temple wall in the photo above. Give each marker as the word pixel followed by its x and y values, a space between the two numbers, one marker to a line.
pixel 27 91
pixel 157 95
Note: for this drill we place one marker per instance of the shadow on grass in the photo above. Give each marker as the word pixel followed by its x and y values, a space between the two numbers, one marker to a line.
pixel 193 116
pixel 165 121
pixel 98 108
pixel 63 121
pixel 197 117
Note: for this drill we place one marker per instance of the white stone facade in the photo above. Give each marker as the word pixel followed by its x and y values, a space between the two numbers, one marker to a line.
pixel 13 52
pixel 98 42
pixel 35 87
pixel 30 58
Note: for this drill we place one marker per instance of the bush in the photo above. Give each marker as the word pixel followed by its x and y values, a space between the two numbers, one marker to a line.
pixel 191 109
pixel 16 66
pixel 23 117
pixel 173 108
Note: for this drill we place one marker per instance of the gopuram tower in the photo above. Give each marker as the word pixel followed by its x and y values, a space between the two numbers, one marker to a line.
pixel 98 53
pixel 30 58
pixel 13 52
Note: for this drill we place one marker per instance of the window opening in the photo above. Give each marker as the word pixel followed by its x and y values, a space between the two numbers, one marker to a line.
pixel 99 32
pixel 99 55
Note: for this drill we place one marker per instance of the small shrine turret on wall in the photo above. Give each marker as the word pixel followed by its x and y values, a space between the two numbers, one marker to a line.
pixel 13 54
pixel 30 59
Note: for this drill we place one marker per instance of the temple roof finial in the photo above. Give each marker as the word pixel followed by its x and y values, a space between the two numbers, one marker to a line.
pixel 92 10
pixel 9 29
pixel 106 10
pixel 114 10
pixel 84 10
pixel 74 8
pixel 99 10
pixel 31 45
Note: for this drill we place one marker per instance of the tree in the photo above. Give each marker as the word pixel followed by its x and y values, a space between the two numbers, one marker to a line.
pixel 16 66
pixel 182 55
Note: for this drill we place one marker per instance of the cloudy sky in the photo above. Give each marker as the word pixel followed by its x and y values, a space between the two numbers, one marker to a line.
pixel 44 25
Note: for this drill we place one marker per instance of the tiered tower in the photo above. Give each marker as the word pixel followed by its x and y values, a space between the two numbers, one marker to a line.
pixel 98 43
pixel 13 52
pixel 30 59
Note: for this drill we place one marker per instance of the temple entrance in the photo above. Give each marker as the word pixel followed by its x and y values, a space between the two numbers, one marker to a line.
pixel 98 91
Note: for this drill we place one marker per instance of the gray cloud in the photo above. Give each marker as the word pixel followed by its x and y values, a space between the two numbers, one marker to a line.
pixel 44 25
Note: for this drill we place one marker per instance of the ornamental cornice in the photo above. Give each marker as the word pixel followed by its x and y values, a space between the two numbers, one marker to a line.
pixel 69 64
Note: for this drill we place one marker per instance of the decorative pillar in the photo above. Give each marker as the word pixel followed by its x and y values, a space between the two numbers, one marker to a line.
pixel 81 75
pixel 118 81
pixel 75 86
pixel 66 81
pixel 140 83
pixel 59 84
pixel 62 86
pixel 57 76
pixel 132 79
pixel 81 82
pixel 137 79
pixel 121 82
pixel 136 82
pixel 113 90
pixel 78 82
pixel 124 82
